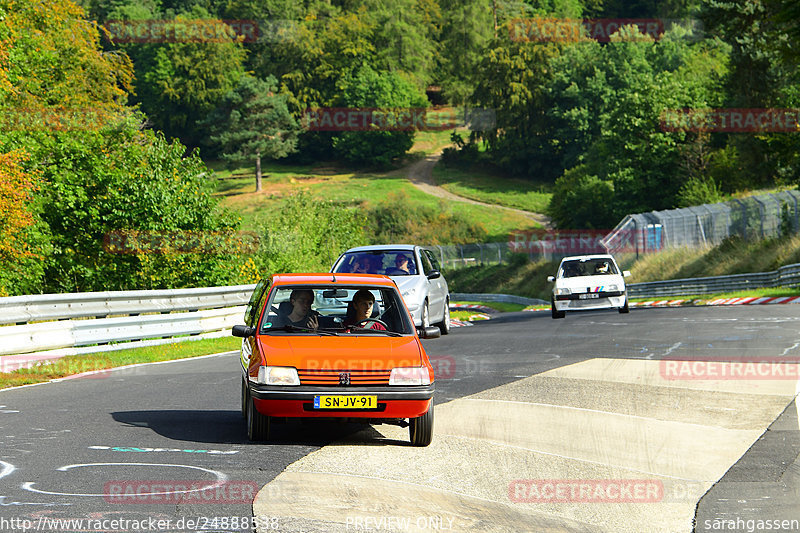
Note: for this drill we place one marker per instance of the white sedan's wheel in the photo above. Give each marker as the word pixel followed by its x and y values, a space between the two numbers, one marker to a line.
pixel 444 325
pixel 426 317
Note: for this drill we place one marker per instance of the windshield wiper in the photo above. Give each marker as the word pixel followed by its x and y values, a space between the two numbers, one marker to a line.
pixel 382 331
pixel 289 328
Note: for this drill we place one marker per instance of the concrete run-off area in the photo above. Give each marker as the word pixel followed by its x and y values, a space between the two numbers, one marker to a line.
pixel 605 445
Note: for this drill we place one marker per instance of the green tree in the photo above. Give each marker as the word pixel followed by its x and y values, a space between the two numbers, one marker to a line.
pixel 121 180
pixel 367 88
pixel 512 79
pixel 253 122
pixel 763 74
pixel 404 38
pixel 581 200
pixel 466 30
pixel 180 82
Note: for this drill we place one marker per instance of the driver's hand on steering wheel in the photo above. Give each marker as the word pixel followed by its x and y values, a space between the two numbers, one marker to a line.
pixel 312 323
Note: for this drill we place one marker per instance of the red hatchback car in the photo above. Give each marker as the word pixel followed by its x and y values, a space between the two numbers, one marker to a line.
pixel 334 346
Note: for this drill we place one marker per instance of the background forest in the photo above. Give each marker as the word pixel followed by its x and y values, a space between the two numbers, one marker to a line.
pixel 103 132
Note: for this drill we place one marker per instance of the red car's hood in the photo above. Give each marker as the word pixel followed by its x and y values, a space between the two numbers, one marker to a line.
pixel 364 352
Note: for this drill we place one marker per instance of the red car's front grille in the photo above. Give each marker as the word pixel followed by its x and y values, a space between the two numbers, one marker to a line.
pixel 335 377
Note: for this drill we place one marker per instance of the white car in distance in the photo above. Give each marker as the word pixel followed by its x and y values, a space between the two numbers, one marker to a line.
pixel 586 282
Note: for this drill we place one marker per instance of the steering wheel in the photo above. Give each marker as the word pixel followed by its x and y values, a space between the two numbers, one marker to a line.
pixel 368 320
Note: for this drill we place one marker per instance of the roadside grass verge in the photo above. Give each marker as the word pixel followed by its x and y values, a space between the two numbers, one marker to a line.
pixel 495 189
pixel 76 364
pixel 701 299
pixel 501 307
pixel 464 315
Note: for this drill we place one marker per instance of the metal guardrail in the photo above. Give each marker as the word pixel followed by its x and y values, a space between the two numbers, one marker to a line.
pixel 785 276
pixel 41 307
pixel 49 326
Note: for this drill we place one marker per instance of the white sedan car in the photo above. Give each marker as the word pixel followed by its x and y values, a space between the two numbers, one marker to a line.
pixel 416 272
pixel 587 282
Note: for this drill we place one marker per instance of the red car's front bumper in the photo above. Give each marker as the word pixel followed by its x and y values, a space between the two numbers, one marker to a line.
pixel 392 402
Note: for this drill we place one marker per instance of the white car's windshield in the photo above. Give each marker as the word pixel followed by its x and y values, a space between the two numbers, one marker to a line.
pixel 591 267
pixel 387 262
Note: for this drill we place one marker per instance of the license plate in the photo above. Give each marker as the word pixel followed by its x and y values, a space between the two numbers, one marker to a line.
pixel 345 402
pixel 588 296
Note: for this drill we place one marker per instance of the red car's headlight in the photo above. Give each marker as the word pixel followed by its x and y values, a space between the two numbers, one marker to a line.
pixel 411 375
pixel 278 375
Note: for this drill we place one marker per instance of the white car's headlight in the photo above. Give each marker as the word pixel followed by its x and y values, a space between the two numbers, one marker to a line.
pixel 278 375
pixel 562 291
pixel 410 375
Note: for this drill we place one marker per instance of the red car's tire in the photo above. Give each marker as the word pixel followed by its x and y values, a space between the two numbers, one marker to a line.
pixel 257 424
pixel 421 429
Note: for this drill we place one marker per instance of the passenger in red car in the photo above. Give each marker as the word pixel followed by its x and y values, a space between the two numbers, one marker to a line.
pixel 362 304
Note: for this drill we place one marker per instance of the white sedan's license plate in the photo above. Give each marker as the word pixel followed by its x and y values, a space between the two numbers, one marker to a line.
pixel 588 296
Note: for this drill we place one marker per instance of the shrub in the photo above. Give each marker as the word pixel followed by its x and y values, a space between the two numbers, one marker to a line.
pixel 397 219
pixel 308 235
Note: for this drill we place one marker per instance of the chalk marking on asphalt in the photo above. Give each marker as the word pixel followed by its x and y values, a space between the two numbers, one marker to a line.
pixel 141 450
pixel 221 479
pixel 7 469
pixel 792 347
pixel 673 348
pixel 43 504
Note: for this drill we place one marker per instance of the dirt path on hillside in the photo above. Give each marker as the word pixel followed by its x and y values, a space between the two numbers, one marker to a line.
pixel 420 174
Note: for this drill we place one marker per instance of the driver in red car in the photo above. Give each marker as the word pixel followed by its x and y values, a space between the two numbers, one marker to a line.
pixel 362 304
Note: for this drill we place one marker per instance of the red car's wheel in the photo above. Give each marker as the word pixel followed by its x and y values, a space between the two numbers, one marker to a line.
pixel 244 399
pixel 421 429
pixel 257 424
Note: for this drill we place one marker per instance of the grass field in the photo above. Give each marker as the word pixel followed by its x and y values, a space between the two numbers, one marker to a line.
pixel 494 189
pixel 236 191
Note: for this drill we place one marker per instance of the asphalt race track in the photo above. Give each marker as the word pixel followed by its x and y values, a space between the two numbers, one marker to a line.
pixel 598 422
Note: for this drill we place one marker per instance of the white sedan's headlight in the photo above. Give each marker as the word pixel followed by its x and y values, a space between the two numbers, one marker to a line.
pixel 278 375
pixel 410 375
pixel 563 291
